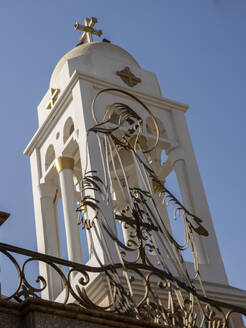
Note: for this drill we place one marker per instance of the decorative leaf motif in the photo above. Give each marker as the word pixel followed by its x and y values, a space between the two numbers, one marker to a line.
pixel 201 231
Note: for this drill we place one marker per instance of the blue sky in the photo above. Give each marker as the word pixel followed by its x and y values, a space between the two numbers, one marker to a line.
pixel 197 49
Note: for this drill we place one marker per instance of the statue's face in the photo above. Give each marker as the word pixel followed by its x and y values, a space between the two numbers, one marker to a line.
pixel 125 125
pixel 123 122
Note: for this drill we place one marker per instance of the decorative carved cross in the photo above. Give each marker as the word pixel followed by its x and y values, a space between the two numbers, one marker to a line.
pixel 88 29
pixel 53 97
pixel 128 77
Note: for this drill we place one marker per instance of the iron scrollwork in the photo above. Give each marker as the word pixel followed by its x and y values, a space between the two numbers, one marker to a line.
pixel 179 310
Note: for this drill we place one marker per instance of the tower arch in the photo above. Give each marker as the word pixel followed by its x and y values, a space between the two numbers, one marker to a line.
pixel 68 129
pixel 49 156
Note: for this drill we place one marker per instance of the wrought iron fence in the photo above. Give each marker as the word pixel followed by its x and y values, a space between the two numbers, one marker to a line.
pixel 182 308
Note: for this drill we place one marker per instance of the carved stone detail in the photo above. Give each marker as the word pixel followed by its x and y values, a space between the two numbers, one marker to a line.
pixel 128 77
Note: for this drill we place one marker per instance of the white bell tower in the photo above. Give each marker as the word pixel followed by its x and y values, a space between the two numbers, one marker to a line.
pixel 61 152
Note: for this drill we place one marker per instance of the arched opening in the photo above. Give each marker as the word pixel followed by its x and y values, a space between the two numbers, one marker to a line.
pixel 68 129
pixel 49 157
pixel 150 127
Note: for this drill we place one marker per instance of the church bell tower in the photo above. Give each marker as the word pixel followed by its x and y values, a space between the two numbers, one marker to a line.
pixel 103 126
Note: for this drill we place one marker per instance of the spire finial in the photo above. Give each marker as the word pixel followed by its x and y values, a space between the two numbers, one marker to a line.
pixel 88 29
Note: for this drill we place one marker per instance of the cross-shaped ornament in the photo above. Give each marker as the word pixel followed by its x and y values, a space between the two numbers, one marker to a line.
pixel 53 97
pixel 128 77
pixel 88 29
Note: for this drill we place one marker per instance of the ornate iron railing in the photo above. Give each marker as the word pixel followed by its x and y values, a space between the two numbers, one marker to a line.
pixel 178 310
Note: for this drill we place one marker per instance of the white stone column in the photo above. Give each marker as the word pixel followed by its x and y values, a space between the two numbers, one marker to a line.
pixel 46 226
pixel 64 166
pixel 47 192
pixel 194 197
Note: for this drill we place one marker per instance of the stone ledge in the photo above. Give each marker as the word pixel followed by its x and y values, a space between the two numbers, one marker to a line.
pixel 72 315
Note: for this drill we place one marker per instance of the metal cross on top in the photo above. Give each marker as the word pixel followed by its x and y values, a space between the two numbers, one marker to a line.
pixel 88 29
